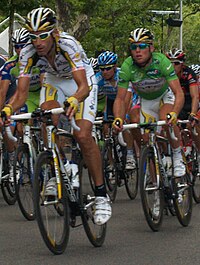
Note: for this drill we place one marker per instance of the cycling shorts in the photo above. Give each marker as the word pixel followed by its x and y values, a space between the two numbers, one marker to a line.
pixel 60 88
pixel 149 110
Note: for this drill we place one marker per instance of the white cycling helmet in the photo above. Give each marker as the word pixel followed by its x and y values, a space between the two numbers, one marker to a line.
pixel 20 36
pixel 141 35
pixel 195 68
pixel 40 19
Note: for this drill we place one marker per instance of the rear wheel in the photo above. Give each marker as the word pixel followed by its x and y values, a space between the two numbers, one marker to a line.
pixel 95 233
pixel 150 191
pixel 52 214
pixel 7 183
pixel 195 176
pixel 110 170
pixel 131 181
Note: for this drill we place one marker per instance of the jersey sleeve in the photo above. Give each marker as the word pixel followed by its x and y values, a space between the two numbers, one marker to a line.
pixel 5 71
pixel 192 78
pixel 168 69
pixel 72 51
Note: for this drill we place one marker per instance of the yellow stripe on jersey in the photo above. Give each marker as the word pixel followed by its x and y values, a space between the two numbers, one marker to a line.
pixel 50 92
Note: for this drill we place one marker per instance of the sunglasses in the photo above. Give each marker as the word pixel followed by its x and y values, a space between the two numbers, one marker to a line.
pixel 141 46
pixel 41 36
pixel 19 46
pixel 176 63
pixel 107 68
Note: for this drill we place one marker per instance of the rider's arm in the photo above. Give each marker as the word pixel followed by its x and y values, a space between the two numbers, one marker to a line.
pixel 179 95
pixel 194 93
pixel 21 93
pixel 4 85
pixel 83 87
pixel 119 108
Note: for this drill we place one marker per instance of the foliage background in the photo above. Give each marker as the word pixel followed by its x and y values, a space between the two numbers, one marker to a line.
pixel 106 24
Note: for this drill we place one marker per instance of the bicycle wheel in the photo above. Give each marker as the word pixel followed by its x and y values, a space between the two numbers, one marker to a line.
pixel 195 176
pixel 131 181
pixel 110 170
pixel 150 191
pixel 183 199
pixel 52 214
pixel 7 185
pixel 23 182
pixel 95 233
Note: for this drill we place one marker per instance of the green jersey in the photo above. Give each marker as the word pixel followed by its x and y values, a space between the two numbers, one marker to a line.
pixel 149 82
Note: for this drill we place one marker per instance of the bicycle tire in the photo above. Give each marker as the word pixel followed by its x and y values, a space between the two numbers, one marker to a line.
pixel 54 226
pixel 7 187
pixel 150 197
pixel 110 171
pixel 183 200
pixel 131 180
pixel 95 233
pixel 195 176
pixel 23 182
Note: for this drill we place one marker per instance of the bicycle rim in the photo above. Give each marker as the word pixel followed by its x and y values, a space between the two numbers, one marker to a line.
pixel 110 171
pixel 131 181
pixel 151 194
pixel 183 200
pixel 195 176
pixel 52 214
pixel 95 233
pixel 23 182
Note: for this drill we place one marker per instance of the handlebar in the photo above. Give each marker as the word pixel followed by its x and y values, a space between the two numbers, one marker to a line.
pixel 146 126
pixel 39 113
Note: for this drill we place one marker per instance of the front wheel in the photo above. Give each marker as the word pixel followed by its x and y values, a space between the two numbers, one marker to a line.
pixel 23 178
pixel 52 213
pixel 95 233
pixel 150 191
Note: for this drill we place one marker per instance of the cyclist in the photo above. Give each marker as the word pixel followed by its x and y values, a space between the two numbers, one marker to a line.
pixel 189 84
pixel 10 71
pixel 68 73
pixel 107 80
pixel 155 81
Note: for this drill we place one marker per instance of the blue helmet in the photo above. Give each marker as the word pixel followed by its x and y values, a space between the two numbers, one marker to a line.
pixel 107 58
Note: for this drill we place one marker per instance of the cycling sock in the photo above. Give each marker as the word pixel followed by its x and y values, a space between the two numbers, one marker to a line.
pixel 100 190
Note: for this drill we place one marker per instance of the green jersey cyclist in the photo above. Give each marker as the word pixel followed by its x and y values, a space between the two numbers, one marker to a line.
pixel 154 79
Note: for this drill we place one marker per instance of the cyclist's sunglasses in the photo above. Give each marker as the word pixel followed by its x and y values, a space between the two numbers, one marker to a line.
pixel 107 68
pixel 176 63
pixel 42 36
pixel 141 46
pixel 19 46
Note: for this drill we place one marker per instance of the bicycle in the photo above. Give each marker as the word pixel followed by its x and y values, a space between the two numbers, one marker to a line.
pixel 7 184
pixel 29 146
pixel 114 162
pixel 158 189
pixel 191 154
pixel 56 214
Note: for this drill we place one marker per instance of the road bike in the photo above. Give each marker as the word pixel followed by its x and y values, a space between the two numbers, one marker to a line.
pixel 191 153
pixel 29 146
pixel 69 207
pixel 158 188
pixel 114 161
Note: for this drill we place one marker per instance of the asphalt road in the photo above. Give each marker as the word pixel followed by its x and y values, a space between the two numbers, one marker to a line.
pixel 128 241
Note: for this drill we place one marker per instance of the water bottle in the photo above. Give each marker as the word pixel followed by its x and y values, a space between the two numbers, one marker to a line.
pixel 72 172
pixel 74 175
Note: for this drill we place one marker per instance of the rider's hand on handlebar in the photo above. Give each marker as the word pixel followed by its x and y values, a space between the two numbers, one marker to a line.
pixel 72 106
pixel 6 112
pixel 118 124
pixel 193 118
pixel 171 118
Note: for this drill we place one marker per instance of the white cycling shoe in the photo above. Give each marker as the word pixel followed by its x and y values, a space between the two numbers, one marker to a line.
pixel 179 168
pixel 51 189
pixel 103 210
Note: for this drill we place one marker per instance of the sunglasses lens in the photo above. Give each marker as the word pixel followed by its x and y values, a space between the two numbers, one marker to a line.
pixel 106 68
pixel 33 37
pixel 141 46
pixel 44 36
pixel 19 46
